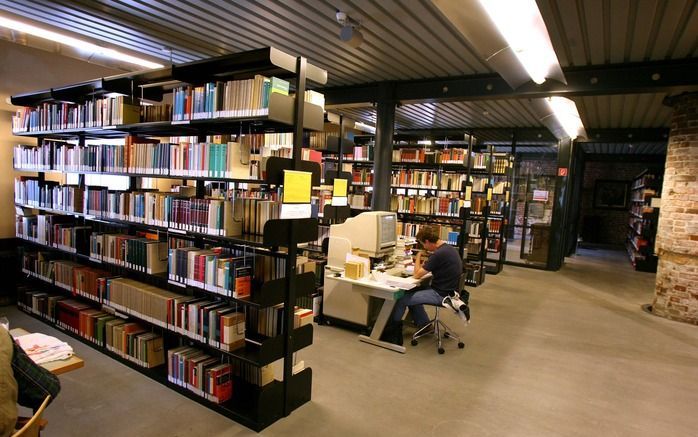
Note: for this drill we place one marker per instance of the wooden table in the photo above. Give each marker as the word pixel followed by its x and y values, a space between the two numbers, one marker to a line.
pixel 56 367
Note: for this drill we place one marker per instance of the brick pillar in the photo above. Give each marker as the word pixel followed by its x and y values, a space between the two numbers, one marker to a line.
pixel 676 290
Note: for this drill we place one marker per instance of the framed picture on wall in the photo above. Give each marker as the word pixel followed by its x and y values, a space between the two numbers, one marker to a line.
pixel 610 194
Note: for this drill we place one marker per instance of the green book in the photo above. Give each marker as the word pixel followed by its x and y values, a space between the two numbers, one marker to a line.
pixel 279 86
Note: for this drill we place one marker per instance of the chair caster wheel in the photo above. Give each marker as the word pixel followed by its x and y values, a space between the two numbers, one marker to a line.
pixel 414 342
pixel 461 345
pixel 441 351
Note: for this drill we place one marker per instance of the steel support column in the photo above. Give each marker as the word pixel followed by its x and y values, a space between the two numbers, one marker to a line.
pixel 383 154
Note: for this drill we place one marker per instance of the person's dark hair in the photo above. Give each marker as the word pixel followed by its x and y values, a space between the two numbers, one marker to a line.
pixel 428 233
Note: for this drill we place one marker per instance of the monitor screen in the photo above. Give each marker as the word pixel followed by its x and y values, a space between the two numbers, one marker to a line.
pixel 387 229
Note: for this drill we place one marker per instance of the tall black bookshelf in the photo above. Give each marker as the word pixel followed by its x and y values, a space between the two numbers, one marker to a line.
pixel 252 404
pixel 645 193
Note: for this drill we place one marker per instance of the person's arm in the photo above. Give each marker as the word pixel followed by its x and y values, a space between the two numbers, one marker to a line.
pixel 419 271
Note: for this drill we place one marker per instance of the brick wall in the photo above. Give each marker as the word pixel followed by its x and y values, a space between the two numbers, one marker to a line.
pixel 613 224
pixel 676 291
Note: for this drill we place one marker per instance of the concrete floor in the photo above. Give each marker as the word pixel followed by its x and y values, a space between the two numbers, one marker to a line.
pixel 548 354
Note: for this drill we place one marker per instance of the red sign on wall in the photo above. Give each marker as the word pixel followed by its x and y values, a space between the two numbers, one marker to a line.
pixel 562 171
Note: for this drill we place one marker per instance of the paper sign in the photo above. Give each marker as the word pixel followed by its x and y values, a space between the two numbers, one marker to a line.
pixel 295 211
pixel 340 188
pixel 468 192
pixel 541 195
pixel 339 201
pixel 339 193
pixel 297 186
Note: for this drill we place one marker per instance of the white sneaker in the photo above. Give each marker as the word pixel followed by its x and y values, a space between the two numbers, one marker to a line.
pixel 458 306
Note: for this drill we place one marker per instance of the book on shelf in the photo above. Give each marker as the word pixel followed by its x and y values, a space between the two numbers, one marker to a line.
pixel 430 205
pixel 106 111
pixel 232 99
pixel 414 178
pixel 200 373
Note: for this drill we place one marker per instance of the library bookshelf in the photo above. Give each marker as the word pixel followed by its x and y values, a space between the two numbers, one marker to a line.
pixel 197 288
pixel 448 182
pixel 643 217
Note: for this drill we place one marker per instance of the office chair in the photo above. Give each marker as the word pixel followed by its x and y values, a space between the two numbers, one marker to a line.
pixel 437 327
pixel 35 424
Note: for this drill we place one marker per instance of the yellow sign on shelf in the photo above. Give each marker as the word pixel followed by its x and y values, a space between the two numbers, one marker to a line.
pixel 297 186
pixel 340 188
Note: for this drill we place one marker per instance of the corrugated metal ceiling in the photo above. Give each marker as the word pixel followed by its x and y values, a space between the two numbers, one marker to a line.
pixel 597 32
pixel 402 40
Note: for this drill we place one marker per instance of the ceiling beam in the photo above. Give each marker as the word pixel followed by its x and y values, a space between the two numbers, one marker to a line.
pixel 646 77
pixel 659 135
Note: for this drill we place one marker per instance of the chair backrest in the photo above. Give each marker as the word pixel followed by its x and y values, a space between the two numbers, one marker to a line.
pixel 32 427
pixel 461 282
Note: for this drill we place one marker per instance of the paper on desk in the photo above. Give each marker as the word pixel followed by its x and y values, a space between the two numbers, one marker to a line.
pixel 365 261
pixel 395 281
pixel 43 348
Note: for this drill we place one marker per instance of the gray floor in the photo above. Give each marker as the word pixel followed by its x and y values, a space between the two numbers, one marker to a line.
pixel 548 354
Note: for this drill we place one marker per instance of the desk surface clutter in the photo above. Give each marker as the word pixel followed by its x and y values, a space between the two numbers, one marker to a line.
pixel 49 352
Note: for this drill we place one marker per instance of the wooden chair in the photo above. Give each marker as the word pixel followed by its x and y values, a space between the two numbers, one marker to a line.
pixel 35 424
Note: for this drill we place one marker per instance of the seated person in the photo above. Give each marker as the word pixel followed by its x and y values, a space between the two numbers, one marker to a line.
pixel 446 267
pixel 22 382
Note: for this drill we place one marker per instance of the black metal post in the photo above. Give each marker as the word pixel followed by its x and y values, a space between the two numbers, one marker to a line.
pixel 290 271
pixel 560 208
pixel 383 154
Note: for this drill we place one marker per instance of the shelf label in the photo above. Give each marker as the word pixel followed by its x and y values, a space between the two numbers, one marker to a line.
pixel 297 186
pixel 339 192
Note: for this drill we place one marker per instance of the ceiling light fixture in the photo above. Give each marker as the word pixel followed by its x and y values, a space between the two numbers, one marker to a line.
pixel 364 127
pixel 77 43
pixel 523 28
pixel 565 110
pixel 349 32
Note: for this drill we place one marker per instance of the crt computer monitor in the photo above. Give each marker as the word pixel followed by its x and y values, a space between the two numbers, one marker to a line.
pixel 373 233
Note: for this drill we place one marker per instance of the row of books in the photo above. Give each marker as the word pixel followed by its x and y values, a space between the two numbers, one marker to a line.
pixel 362 176
pixel 212 270
pixel 414 178
pixel 268 321
pixel 200 373
pixel 144 156
pixel 360 201
pixel 48 194
pixel 363 153
pixel 452 181
pixel 234 98
pixel 52 230
pixel 494 225
pixel 446 233
pixel 130 340
pixel 224 271
pixel 449 206
pixel 493 244
pixel 107 111
pixel 212 216
pixel 427 156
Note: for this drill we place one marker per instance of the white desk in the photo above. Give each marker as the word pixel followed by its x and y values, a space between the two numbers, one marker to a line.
pixel 368 287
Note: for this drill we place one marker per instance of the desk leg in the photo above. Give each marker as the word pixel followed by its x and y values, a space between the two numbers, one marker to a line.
pixel 379 326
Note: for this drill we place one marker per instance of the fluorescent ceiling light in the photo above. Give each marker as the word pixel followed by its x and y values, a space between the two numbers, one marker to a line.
pixel 523 28
pixel 77 43
pixel 365 127
pixel 566 113
pixel 424 142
